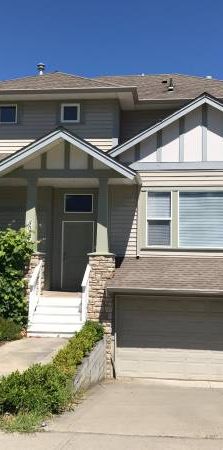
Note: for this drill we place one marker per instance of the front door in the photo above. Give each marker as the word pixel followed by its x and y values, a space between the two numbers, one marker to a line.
pixel 77 242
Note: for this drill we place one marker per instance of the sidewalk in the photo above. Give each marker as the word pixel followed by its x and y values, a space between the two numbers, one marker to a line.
pixel 21 354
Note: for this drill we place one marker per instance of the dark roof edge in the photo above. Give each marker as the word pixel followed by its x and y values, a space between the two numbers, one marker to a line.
pixel 163 291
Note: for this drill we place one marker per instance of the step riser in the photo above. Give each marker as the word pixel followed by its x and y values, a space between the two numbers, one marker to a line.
pixel 64 320
pixel 55 327
pixel 57 310
pixel 41 334
pixel 63 302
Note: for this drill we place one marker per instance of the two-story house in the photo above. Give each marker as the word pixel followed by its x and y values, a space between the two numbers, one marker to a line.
pixel 120 182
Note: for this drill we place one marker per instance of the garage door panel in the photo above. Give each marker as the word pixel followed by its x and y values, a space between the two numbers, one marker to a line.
pixel 157 343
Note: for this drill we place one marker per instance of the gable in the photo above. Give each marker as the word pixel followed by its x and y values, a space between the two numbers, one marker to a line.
pixel 196 137
pixel 55 159
pixel 60 149
pixel 192 134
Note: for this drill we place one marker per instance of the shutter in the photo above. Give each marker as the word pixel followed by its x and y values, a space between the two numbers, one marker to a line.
pixel 201 219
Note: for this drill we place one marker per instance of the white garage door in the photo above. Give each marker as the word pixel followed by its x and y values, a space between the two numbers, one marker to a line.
pixel 170 338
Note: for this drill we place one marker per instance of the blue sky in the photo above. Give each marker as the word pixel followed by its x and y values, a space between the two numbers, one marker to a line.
pixel 111 37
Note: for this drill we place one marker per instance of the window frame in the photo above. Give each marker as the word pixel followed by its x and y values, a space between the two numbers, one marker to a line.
pixel 9 105
pixel 164 219
pixel 62 106
pixel 79 212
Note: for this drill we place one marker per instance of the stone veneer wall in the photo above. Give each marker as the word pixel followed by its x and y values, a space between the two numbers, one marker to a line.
pixel 100 304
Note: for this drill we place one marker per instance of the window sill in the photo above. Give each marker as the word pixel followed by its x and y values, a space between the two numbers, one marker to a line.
pixel 182 249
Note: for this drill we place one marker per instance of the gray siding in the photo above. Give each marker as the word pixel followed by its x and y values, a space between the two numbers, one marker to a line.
pixel 36 118
pixel 123 220
pixel 12 207
pixel 133 122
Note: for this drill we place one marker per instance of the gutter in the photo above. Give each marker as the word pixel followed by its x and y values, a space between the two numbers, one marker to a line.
pixel 164 291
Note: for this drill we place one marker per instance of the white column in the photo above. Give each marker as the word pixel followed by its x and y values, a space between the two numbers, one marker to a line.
pixel 31 207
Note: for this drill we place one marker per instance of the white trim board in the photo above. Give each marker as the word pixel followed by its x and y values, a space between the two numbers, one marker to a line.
pixel 204 99
pixel 38 147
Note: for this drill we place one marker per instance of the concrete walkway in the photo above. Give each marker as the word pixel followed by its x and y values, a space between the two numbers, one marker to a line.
pixel 133 416
pixel 19 355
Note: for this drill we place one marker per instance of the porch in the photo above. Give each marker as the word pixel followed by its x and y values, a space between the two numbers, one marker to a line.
pixel 59 188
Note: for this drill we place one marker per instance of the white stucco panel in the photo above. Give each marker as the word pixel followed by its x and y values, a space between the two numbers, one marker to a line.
pixel 170 143
pixel 78 158
pixel 55 157
pixel 214 135
pixel 128 156
pixel 148 149
pixel 193 136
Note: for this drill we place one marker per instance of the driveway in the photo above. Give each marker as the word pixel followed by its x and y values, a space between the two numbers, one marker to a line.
pixel 134 416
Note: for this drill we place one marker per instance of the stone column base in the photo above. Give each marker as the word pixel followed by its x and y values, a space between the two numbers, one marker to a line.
pixel 100 304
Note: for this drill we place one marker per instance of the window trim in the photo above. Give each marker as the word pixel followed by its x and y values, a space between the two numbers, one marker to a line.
pixel 164 219
pixel 142 240
pixel 14 105
pixel 79 212
pixel 62 106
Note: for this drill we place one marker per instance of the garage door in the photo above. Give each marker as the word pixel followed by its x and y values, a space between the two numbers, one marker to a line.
pixel 170 338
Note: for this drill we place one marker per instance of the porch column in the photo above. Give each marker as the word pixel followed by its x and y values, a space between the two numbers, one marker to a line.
pixel 31 206
pixel 102 221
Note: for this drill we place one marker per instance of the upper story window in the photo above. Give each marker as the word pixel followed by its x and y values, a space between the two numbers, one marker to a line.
pixel 8 113
pixel 185 219
pixel 159 219
pixel 70 112
pixel 201 219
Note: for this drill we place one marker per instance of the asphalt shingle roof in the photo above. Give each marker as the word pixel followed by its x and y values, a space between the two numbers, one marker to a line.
pixel 150 87
pixel 166 273
pixel 56 80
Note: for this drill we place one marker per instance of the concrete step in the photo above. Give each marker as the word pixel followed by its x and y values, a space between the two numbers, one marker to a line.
pixel 63 319
pixel 58 301
pixel 53 329
pixel 58 310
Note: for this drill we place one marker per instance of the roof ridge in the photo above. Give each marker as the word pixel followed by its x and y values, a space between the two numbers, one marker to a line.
pixel 159 75
pixel 70 75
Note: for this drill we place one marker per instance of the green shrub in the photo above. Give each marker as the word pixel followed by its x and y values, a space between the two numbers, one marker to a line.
pixel 48 389
pixel 16 249
pixel 40 388
pixel 68 358
pixel 9 330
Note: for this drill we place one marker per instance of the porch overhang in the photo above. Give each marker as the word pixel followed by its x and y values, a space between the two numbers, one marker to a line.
pixel 40 146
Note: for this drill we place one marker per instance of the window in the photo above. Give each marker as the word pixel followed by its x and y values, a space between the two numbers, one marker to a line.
pixel 159 219
pixel 78 203
pixel 70 112
pixel 8 113
pixel 201 219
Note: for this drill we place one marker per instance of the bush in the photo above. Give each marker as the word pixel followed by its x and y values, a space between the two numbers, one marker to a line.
pixel 48 389
pixel 9 330
pixel 68 358
pixel 16 249
pixel 40 388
